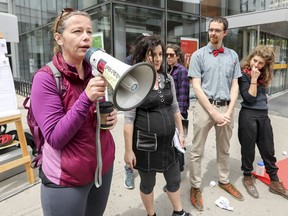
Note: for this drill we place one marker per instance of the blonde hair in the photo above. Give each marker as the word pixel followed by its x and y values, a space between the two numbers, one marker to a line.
pixel 59 23
pixel 267 53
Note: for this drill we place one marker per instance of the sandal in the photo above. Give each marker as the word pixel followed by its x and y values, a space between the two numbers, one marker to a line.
pixel 6 139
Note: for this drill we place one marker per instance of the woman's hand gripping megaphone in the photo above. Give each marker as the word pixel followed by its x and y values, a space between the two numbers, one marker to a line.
pixel 95 90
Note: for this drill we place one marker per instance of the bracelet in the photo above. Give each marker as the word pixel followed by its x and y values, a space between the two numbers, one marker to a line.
pixel 253 83
pixel 181 135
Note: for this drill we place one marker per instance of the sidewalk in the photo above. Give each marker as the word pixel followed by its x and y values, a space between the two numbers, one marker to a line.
pixel 25 199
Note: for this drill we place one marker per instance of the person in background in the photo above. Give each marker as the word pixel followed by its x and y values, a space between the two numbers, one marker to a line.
pixel 215 70
pixel 175 60
pixel 154 122
pixel 68 123
pixel 254 122
pixel 129 59
pixel 129 175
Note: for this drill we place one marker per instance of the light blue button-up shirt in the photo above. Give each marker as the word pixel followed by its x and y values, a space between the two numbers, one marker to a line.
pixel 216 73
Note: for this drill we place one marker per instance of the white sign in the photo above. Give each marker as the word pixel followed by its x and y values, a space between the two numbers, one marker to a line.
pixel 8 100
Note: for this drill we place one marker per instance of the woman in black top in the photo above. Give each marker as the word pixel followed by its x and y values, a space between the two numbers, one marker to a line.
pixel 149 130
pixel 254 122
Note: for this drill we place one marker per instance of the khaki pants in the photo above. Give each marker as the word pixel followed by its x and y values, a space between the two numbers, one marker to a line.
pixel 202 123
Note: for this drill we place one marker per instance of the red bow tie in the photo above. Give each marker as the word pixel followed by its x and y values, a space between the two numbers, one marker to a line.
pixel 216 52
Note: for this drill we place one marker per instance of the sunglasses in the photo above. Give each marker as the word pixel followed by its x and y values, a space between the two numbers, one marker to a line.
pixel 65 11
pixel 171 55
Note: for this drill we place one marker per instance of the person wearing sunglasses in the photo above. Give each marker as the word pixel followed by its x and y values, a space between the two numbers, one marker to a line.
pixel 214 70
pixel 68 122
pixel 149 130
pixel 175 61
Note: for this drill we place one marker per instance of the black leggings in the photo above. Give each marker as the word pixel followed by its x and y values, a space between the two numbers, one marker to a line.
pixel 86 200
pixel 255 127
pixel 172 177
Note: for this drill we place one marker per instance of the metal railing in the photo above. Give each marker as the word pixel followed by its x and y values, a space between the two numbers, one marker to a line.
pixel 22 87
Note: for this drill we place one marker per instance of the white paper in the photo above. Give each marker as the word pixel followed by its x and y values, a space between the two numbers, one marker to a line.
pixel 8 100
pixel 3 47
pixel 176 141
pixel 223 203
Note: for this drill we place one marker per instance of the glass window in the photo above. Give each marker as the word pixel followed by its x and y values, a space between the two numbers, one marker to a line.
pixel 225 8
pixel 151 3
pixel 101 22
pixel 180 25
pixel 82 4
pixel 130 22
pixel 211 8
pixel 183 30
pixel 189 6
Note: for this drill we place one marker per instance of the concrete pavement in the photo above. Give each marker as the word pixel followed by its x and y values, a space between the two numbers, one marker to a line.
pixel 21 199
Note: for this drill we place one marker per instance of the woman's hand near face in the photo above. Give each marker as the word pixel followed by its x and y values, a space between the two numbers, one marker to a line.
pixel 96 88
pixel 255 73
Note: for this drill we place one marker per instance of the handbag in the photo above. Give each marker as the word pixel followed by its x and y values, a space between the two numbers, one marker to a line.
pixel 146 141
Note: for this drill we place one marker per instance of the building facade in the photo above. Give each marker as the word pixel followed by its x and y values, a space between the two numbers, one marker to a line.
pixel 117 23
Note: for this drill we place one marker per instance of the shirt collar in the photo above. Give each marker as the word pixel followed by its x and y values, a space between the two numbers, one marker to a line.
pixel 210 47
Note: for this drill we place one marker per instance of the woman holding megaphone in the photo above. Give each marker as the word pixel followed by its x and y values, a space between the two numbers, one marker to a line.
pixel 67 119
pixel 149 130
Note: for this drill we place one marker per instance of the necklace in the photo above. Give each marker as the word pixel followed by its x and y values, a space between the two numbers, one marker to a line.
pixel 160 82
pixel 161 86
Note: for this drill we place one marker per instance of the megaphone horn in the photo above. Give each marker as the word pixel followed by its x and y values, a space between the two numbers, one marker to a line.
pixel 131 84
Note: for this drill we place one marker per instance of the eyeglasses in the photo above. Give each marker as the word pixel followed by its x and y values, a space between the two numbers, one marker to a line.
pixel 65 10
pixel 171 55
pixel 211 30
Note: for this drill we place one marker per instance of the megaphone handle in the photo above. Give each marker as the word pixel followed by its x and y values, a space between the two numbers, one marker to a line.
pixel 98 171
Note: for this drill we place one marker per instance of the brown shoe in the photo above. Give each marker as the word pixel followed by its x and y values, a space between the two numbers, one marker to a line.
pixel 231 190
pixel 196 198
pixel 249 184
pixel 278 188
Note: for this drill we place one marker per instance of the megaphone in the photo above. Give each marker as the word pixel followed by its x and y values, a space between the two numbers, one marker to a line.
pixel 131 84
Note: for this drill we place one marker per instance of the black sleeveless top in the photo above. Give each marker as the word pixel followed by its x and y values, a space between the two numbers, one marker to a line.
pixel 154 116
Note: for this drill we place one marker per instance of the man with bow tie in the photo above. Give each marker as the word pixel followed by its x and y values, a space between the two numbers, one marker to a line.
pixel 214 70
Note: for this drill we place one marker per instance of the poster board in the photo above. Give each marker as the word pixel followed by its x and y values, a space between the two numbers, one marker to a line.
pixel 97 40
pixel 8 100
pixel 188 46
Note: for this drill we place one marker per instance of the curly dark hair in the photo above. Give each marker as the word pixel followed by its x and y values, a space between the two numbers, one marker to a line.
pixel 146 46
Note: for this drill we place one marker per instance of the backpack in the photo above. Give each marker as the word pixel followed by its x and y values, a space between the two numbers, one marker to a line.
pixel 34 128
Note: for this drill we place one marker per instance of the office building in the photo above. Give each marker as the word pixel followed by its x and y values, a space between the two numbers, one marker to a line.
pixel 117 23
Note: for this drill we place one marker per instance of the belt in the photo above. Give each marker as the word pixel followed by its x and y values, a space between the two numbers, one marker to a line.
pixel 219 103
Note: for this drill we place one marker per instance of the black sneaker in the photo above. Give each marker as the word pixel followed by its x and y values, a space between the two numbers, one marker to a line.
pixel 184 214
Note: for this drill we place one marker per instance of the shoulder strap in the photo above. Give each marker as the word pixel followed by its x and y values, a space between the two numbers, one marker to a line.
pixel 57 75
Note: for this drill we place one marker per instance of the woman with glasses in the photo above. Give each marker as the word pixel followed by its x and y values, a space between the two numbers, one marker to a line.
pixel 149 130
pixel 175 61
pixel 68 122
